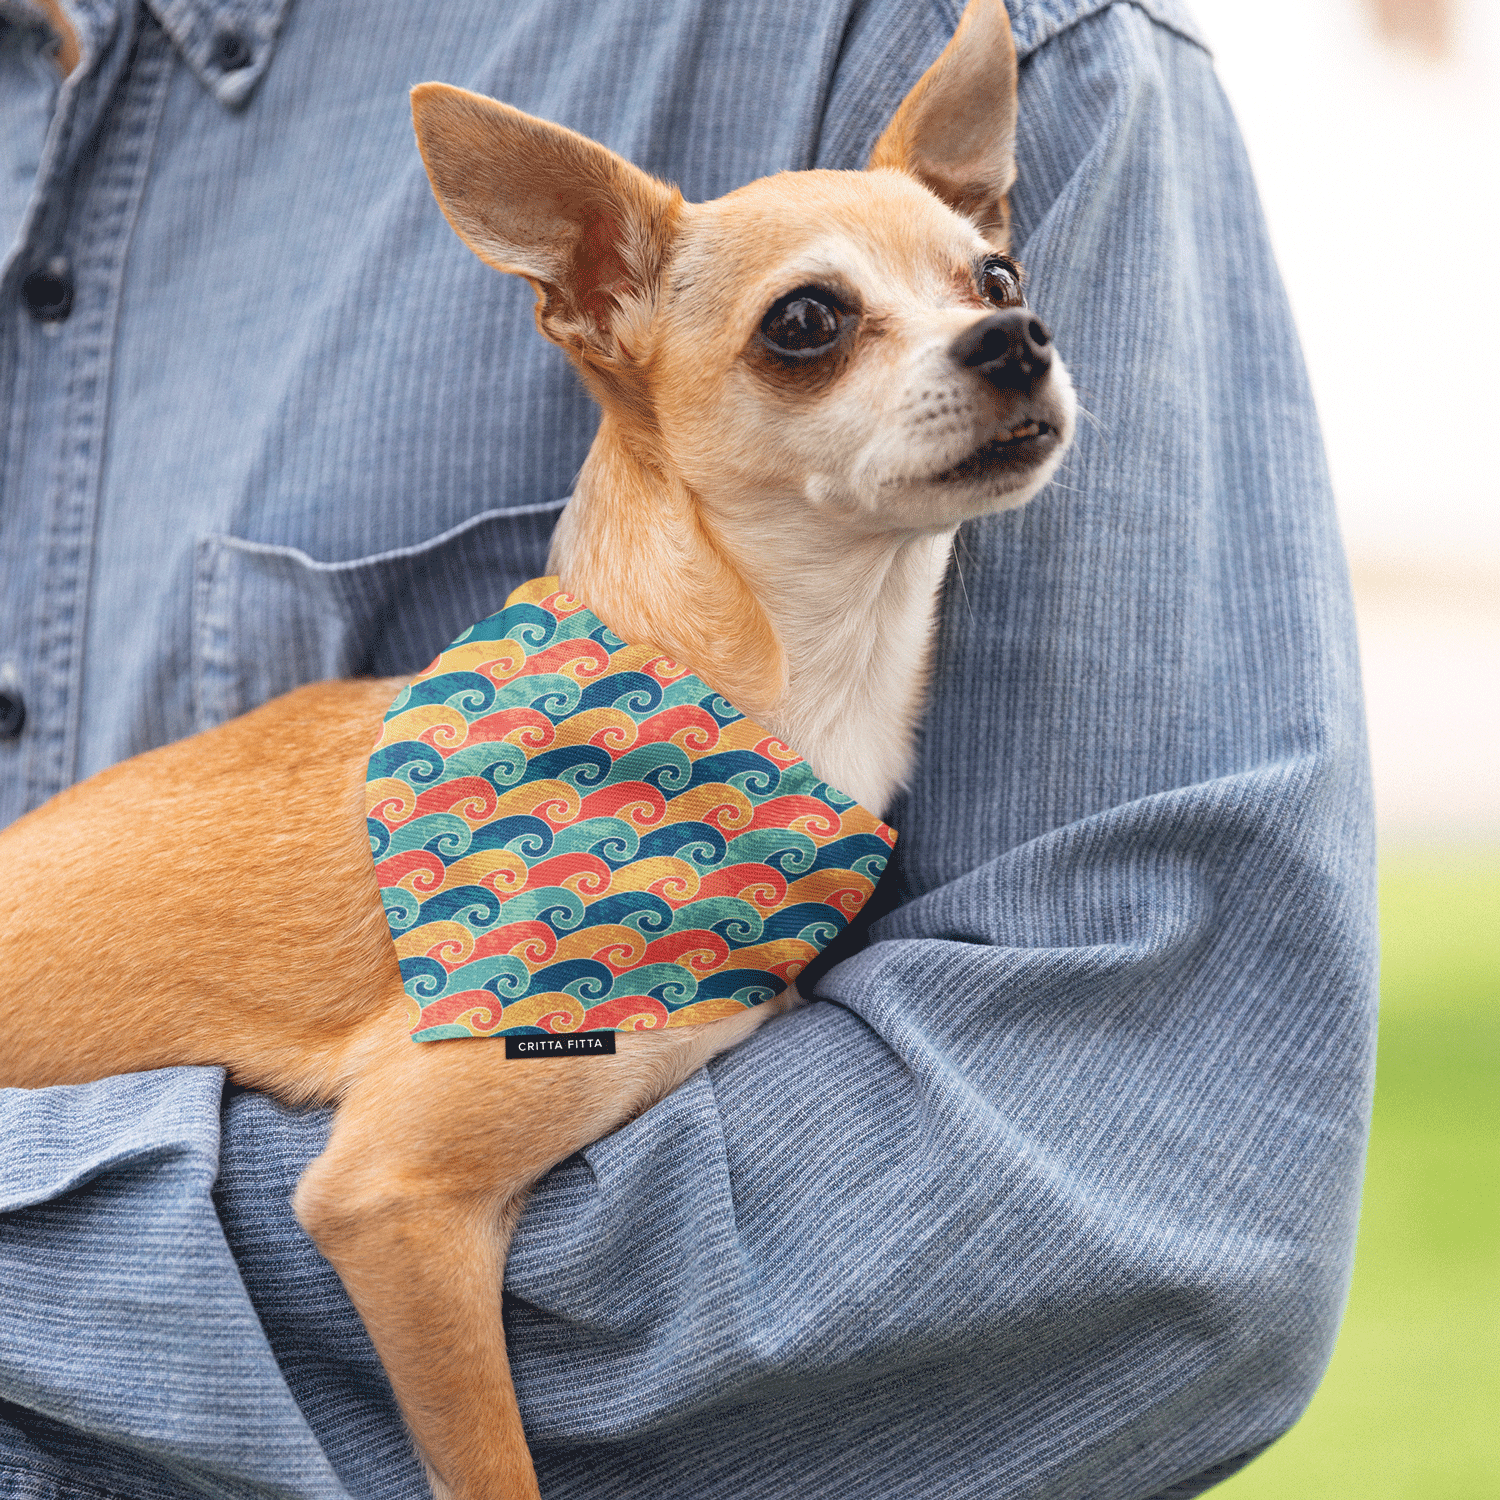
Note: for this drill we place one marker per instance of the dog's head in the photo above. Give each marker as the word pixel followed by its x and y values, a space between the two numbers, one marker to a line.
pixel 857 342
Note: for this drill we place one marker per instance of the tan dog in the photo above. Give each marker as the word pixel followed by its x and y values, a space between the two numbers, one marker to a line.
pixel 806 386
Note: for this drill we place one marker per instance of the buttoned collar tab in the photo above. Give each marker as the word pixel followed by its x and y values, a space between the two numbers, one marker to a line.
pixel 227 43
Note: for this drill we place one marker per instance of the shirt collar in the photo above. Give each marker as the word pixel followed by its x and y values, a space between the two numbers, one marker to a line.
pixel 227 43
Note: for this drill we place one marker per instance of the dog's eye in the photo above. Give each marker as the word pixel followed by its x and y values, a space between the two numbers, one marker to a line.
pixel 1000 281
pixel 802 322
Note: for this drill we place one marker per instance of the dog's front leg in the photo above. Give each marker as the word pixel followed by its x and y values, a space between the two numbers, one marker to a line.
pixel 416 1197
pixel 425 1277
pixel 419 1236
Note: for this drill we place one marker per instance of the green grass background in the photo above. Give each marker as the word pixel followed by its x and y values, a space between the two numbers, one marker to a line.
pixel 1410 1407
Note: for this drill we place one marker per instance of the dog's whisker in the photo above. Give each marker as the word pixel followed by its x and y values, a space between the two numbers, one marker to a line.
pixel 1093 421
pixel 958 564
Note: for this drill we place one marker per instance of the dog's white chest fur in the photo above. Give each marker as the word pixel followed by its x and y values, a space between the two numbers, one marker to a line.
pixel 857 640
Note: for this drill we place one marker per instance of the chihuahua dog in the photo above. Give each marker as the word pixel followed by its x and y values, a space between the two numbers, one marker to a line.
pixel 807 385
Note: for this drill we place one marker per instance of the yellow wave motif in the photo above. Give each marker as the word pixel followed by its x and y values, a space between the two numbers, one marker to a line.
pixel 450 943
pixel 771 955
pixel 733 811
pixel 641 1020
pixel 509 870
pixel 822 884
pixel 588 885
pixel 480 1019
pixel 566 1012
pixel 743 734
pixel 556 801
pixel 384 791
pixel 618 728
pixel 679 880
pixel 452 726
pixel 537 589
pixel 705 1010
pixel 649 660
pixel 497 660
pixel 623 945
pixel 821 827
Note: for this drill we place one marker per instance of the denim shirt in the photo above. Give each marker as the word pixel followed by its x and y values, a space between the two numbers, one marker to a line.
pixel 1080 1221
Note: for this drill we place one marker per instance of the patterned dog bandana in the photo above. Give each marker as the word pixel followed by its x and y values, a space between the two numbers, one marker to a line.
pixel 572 833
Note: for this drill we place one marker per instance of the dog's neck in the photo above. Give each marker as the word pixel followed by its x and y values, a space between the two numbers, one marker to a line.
pixel 816 630
pixel 854 616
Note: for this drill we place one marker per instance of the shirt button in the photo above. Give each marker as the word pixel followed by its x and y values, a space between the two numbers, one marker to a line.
pixel 231 50
pixel 48 292
pixel 12 713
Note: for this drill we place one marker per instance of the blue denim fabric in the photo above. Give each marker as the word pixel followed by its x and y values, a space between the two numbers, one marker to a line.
pixel 1053 1192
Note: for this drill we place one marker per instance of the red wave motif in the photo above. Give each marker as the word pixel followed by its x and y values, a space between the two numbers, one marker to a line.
pixel 592 875
pixel 535 941
pixel 613 1013
pixel 477 796
pixel 777 750
pixel 781 812
pixel 762 885
pixel 451 1007
pixel 533 731
pixel 699 729
pixel 561 604
pixel 848 899
pixel 665 670
pixel 699 951
pixel 587 658
pixel 428 867
pixel 637 800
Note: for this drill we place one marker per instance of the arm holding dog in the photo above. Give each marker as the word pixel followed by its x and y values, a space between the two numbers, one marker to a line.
pixel 997 888
pixel 1137 942
pixel 245 928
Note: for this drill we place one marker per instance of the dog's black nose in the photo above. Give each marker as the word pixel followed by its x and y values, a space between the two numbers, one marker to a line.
pixel 1011 349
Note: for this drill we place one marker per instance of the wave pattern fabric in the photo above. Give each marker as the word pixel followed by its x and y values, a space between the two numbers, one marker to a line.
pixel 575 833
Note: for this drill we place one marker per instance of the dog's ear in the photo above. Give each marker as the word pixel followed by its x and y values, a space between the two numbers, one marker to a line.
pixel 588 230
pixel 956 131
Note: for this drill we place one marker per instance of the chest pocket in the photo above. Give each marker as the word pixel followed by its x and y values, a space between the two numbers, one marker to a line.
pixel 267 619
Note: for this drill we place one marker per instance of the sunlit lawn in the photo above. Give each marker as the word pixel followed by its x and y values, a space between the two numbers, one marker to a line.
pixel 1411 1404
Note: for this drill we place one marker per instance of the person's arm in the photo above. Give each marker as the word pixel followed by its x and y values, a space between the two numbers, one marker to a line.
pixel 1056 1192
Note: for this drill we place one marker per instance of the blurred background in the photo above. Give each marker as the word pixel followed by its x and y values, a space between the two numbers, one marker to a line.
pixel 1374 129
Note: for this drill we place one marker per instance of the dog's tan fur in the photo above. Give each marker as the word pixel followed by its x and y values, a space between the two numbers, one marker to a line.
pixel 783 532
pixel 67 36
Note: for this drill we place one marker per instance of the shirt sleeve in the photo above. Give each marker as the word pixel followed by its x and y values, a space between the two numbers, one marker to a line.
pixel 1054 1193
pixel 1052 1190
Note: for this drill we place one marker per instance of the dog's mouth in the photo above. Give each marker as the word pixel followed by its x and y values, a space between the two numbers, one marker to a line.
pixel 1021 447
